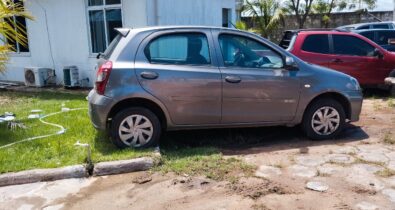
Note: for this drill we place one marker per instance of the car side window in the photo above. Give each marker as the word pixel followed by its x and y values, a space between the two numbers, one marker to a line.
pixel 368 34
pixel 179 49
pixel 383 37
pixel 381 26
pixel 316 43
pixel 364 27
pixel 240 51
pixel 350 45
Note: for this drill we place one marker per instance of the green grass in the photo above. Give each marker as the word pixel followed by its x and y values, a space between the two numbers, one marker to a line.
pixel 55 151
pixel 192 153
pixel 203 161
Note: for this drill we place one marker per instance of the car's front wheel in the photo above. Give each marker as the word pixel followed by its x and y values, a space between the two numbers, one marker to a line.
pixel 324 119
pixel 135 127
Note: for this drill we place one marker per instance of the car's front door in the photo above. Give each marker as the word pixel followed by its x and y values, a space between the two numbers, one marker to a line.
pixel 356 57
pixel 256 87
pixel 177 68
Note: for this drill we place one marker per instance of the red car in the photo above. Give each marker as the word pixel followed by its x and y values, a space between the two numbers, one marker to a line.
pixel 346 52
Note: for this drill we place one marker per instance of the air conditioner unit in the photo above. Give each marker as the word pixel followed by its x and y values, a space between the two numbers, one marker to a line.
pixel 71 77
pixel 39 77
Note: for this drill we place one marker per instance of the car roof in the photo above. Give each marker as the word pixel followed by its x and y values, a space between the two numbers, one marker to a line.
pixel 322 31
pixel 363 24
pixel 367 30
pixel 154 28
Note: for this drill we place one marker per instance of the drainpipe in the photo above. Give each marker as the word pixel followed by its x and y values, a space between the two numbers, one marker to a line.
pixel 156 15
pixel 393 12
pixel 47 30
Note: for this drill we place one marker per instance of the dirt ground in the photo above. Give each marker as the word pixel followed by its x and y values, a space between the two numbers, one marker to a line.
pixel 356 171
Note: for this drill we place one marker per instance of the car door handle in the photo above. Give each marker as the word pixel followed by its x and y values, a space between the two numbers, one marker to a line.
pixel 233 79
pixel 337 60
pixel 149 75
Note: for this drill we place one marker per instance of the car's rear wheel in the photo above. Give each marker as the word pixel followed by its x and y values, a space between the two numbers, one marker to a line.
pixel 135 127
pixel 324 119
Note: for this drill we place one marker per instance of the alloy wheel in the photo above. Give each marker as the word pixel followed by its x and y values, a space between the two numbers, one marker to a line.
pixel 325 121
pixel 136 130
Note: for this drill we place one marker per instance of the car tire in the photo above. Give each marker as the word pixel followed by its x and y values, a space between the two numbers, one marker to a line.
pixel 324 119
pixel 125 133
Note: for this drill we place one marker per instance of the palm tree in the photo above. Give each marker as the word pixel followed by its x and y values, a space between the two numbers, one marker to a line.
pixel 10 29
pixel 266 15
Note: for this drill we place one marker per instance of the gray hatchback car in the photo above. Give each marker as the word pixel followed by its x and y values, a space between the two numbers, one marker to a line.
pixel 150 80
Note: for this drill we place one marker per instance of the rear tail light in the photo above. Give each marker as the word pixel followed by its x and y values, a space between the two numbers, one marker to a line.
pixel 102 77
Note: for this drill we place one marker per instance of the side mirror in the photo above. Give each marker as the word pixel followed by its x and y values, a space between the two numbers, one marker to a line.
pixel 378 53
pixel 290 64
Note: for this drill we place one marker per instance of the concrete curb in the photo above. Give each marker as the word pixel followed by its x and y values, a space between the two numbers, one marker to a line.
pixel 123 166
pixel 42 175
pixel 79 171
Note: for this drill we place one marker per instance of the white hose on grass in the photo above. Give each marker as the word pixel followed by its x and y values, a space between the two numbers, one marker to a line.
pixel 61 131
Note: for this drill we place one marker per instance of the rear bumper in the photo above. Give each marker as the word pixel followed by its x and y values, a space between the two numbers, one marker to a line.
pixel 99 107
pixel 355 98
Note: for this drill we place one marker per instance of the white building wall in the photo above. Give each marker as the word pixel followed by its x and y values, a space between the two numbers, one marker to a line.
pixel 189 12
pixel 61 27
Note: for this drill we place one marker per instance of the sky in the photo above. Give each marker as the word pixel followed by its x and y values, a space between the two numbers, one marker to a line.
pixel 384 5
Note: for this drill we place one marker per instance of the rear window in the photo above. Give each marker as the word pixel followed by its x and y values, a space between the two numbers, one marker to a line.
pixel 110 49
pixel 383 36
pixel 287 39
pixel 316 43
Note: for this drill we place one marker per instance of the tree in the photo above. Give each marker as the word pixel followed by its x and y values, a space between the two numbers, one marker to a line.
pixel 11 30
pixel 266 15
pixel 326 7
pixel 300 8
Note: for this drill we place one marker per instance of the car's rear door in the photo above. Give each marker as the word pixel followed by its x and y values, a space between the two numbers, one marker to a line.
pixel 355 57
pixel 177 67
pixel 256 87
pixel 313 48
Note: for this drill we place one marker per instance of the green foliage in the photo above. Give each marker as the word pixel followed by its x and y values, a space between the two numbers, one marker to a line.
pixel 10 30
pixel 327 7
pixel 301 9
pixel 266 15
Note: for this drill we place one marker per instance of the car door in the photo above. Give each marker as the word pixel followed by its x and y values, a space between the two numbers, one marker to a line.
pixel 356 57
pixel 313 48
pixel 176 67
pixel 256 87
